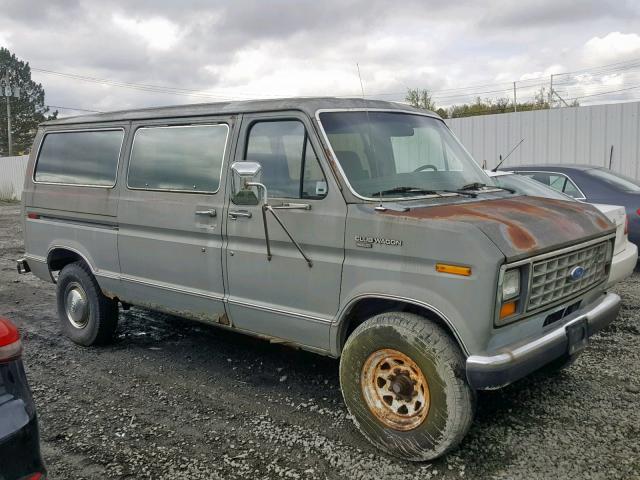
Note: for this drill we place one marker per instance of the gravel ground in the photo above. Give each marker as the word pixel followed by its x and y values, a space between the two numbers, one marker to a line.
pixel 172 399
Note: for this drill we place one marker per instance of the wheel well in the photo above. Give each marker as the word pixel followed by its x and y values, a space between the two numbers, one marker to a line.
pixel 58 258
pixel 365 308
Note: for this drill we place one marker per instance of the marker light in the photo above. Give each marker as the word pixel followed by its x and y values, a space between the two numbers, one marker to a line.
pixel 453 269
pixel 507 309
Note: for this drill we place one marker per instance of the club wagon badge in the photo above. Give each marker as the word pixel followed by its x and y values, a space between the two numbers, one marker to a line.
pixel 369 242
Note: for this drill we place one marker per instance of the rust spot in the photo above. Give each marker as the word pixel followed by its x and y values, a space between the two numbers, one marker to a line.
pixel 527 223
pixel 602 223
pixel 224 319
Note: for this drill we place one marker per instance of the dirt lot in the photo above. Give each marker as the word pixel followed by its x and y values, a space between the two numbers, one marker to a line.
pixel 172 399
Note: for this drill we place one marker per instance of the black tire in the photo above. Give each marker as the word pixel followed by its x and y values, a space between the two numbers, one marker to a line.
pixel 452 401
pixel 98 325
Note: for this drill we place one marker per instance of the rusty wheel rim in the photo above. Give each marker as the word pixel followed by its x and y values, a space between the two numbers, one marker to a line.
pixel 395 389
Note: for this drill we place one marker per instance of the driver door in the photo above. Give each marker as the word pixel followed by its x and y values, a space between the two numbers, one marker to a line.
pixel 284 297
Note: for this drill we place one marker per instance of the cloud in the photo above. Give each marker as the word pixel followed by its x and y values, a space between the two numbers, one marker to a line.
pixel 159 33
pixel 611 47
pixel 4 40
pixel 248 49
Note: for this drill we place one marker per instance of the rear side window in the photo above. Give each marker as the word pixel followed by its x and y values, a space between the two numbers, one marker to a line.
pixel 184 158
pixel 80 158
pixel 557 181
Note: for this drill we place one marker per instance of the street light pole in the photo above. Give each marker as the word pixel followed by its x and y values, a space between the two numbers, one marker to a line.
pixel 9 137
pixel 8 91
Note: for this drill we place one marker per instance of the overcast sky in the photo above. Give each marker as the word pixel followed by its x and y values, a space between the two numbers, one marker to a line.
pixel 250 49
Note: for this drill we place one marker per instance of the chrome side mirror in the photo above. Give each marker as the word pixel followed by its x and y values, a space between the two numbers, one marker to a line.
pixel 246 184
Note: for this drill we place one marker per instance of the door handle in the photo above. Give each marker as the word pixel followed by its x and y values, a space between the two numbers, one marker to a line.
pixel 208 213
pixel 239 213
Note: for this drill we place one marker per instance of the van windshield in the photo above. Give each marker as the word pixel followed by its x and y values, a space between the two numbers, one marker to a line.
pixel 399 155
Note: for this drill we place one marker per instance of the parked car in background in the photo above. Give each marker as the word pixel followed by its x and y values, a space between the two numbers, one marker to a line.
pixel 353 228
pixel 625 253
pixel 593 185
pixel 20 457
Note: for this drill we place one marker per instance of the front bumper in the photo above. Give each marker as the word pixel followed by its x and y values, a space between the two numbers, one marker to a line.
pixel 487 372
pixel 623 263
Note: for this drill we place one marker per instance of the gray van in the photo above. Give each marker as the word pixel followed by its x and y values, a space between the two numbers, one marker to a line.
pixel 355 229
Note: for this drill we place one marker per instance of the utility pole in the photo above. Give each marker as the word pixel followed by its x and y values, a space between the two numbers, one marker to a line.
pixel 7 90
pixel 9 137
pixel 551 91
pixel 515 99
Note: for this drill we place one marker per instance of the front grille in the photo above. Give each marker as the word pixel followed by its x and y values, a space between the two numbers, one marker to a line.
pixel 550 277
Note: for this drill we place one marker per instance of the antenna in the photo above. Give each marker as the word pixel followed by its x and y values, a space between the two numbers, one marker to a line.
pixel 371 145
pixel 502 160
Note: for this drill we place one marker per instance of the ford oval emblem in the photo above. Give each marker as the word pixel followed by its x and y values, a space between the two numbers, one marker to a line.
pixel 576 273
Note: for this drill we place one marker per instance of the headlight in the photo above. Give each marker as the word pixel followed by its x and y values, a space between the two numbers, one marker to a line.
pixel 511 284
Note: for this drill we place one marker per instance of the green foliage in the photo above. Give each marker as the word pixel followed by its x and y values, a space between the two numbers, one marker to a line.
pixel 421 98
pixel 27 111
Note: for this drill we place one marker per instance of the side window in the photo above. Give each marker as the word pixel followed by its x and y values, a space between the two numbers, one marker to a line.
pixel 290 168
pixel 544 178
pixel 557 182
pixel 571 189
pixel 80 158
pixel 183 158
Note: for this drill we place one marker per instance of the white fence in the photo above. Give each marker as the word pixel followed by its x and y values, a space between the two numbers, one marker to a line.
pixel 582 135
pixel 12 171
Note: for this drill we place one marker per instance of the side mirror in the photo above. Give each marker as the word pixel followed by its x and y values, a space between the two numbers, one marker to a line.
pixel 246 183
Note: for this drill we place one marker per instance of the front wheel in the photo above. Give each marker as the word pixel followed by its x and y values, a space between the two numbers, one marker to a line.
pixel 86 315
pixel 403 381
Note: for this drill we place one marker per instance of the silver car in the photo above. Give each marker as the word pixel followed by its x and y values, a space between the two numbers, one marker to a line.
pixel 355 229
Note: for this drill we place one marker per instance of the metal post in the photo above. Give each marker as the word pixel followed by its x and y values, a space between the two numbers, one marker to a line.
pixel 515 99
pixel 551 92
pixel 9 137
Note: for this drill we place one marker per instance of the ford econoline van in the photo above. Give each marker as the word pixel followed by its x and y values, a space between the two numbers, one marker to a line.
pixel 352 228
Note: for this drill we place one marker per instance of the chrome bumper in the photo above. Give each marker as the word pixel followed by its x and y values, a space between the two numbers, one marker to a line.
pixel 514 362
pixel 22 266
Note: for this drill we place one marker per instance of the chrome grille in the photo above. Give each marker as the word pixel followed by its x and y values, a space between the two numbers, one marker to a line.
pixel 550 277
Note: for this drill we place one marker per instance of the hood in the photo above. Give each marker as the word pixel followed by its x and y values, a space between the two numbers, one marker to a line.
pixel 521 226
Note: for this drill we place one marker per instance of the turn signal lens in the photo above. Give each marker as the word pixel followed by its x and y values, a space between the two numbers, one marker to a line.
pixel 34 476
pixel 453 269
pixel 507 309
pixel 10 344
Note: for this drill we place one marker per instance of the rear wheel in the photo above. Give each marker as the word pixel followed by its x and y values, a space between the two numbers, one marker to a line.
pixel 86 315
pixel 403 381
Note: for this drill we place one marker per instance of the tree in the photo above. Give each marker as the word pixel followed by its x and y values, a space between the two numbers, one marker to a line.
pixel 27 111
pixel 420 98
pixel 490 106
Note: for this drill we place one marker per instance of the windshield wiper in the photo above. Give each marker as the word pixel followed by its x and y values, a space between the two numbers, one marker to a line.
pixel 473 186
pixel 462 192
pixel 478 186
pixel 417 190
